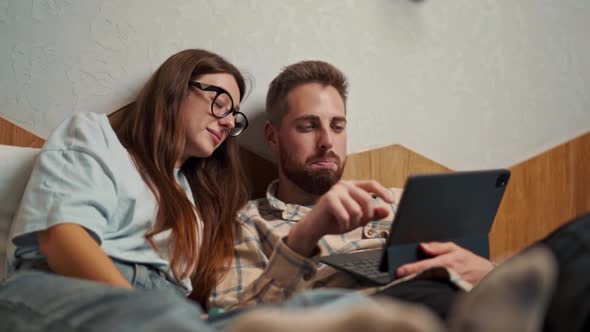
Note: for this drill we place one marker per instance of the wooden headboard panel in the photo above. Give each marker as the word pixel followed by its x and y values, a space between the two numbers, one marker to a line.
pixel 390 165
pixel 11 134
pixel 259 172
pixel 544 192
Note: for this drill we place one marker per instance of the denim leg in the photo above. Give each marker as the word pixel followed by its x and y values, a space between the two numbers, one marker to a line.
pixel 569 308
pixel 325 300
pixel 41 301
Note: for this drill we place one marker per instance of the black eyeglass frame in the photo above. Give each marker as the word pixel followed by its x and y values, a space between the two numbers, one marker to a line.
pixel 218 92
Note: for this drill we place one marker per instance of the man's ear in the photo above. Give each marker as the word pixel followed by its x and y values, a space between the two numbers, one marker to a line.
pixel 271 136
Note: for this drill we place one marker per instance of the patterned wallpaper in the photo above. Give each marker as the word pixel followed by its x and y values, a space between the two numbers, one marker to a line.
pixel 470 84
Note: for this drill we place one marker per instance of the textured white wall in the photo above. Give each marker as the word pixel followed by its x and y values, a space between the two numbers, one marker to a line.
pixel 470 84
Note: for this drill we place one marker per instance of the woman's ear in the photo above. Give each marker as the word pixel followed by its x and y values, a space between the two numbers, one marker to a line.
pixel 270 134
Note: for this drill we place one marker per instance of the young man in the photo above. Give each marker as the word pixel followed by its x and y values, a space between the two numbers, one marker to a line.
pixel 281 234
pixel 310 212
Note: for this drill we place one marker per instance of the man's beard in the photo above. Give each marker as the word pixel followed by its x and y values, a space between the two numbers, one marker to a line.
pixel 315 182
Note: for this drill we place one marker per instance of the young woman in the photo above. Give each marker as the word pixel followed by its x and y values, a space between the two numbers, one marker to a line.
pixel 144 199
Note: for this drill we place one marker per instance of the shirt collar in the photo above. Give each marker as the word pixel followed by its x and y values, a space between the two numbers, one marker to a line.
pixel 292 212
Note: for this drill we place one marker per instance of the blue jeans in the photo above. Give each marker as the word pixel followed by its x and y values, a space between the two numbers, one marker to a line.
pixel 34 299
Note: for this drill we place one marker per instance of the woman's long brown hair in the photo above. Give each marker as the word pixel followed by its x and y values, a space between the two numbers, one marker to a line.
pixel 152 130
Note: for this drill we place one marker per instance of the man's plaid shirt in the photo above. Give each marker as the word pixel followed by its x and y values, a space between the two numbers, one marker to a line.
pixel 265 270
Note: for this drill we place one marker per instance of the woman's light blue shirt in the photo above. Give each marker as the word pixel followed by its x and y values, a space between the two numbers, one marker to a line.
pixel 85 176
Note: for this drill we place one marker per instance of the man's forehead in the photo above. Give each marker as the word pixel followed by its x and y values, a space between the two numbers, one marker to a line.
pixel 318 116
pixel 314 93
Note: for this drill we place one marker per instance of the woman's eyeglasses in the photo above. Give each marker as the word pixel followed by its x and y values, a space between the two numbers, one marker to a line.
pixel 222 106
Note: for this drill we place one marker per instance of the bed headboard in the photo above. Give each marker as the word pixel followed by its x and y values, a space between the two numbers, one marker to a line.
pixel 545 191
pixel 11 134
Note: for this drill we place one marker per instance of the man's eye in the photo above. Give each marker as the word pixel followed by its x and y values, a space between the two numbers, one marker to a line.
pixel 305 127
pixel 338 128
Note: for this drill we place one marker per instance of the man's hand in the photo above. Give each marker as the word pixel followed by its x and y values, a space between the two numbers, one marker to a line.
pixel 470 266
pixel 348 205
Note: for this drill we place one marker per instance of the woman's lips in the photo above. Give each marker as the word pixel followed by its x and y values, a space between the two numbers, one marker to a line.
pixel 215 134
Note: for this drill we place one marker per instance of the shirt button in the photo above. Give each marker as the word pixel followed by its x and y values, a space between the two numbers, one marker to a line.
pixel 384 234
pixel 371 233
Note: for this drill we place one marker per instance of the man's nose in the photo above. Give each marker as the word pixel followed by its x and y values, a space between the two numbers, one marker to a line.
pixel 325 140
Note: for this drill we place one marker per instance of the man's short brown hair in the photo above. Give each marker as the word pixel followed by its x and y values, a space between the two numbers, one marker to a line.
pixel 297 74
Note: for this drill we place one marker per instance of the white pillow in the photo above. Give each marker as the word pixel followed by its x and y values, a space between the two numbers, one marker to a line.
pixel 16 164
